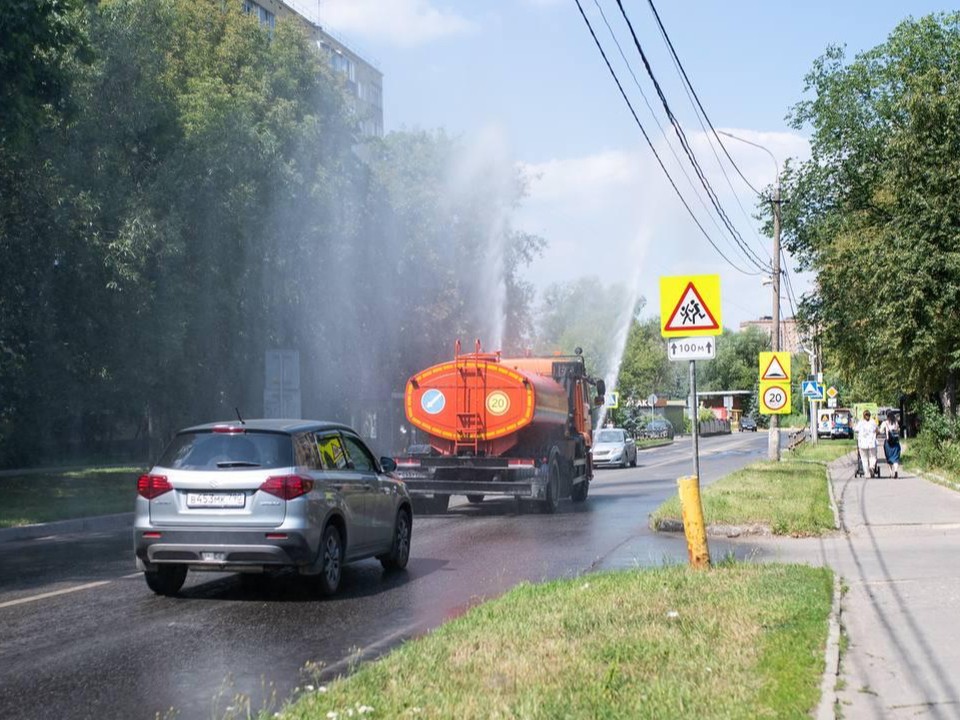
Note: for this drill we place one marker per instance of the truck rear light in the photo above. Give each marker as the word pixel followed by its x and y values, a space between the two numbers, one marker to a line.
pixel 287 487
pixel 408 462
pixel 151 486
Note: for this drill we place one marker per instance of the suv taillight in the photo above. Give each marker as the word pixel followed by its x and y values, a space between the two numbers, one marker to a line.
pixel 287 487
pixel 151 486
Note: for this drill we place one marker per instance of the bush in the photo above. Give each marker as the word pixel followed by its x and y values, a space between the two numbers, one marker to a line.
pixel 938 444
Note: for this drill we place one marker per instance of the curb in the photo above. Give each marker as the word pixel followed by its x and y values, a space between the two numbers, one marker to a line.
pixel 830 490
pixel 831 656
pixel 99 523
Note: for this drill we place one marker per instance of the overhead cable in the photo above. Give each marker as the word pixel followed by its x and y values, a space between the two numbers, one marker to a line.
pixel 683 72
pixel 653 149
pixel 663 132
pixel 688 150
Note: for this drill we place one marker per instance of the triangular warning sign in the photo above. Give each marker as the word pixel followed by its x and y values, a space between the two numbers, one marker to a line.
pixel 775 371
pixel 691 313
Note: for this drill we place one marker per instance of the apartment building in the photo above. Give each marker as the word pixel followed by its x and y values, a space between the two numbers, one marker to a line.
pixel 789 334
pixel 362 80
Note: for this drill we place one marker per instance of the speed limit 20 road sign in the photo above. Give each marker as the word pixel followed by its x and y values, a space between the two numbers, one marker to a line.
pixel 775 398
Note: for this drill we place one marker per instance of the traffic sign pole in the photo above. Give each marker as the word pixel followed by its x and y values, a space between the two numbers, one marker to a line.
pixel 694 420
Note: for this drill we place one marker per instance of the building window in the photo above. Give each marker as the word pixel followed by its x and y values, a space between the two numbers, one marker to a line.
pixel 261 13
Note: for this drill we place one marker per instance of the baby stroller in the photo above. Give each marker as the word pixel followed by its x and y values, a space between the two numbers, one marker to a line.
pixel 861 471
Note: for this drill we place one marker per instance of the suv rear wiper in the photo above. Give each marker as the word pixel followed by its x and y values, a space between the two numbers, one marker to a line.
pixel 236 463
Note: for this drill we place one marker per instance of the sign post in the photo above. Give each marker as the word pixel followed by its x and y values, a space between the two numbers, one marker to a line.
pixel 690 319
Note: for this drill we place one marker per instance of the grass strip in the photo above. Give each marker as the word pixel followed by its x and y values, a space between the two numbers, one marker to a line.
pixel 29 499
pixel 910 459
pixel 737 641
pixel 789 497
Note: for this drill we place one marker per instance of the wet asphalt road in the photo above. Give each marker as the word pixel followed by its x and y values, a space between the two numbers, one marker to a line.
pixel 81 636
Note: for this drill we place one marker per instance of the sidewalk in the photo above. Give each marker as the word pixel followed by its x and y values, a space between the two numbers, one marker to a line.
pixel 899 556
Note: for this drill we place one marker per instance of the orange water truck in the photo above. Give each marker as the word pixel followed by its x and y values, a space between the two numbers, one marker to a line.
pixel 498 426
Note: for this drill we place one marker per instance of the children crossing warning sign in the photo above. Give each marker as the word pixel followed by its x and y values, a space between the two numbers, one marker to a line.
pixel 690 306
pixel 775 367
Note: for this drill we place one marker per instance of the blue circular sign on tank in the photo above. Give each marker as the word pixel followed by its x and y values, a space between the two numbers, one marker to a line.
pixel 433 401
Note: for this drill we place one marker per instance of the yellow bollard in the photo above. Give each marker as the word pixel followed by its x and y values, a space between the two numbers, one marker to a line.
pixel 691 512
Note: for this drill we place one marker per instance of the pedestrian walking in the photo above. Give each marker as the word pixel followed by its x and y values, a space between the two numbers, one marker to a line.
pixel 891 441
pixel 867 443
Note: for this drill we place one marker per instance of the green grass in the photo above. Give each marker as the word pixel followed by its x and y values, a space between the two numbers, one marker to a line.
pixel 644 443
pixel 28 499
pixel 789 497
pixel 737 641
pixel 911 460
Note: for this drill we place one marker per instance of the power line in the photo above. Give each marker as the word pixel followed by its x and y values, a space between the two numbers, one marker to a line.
pixel 711 134
pixel 663 132
pixel 685 145
pixel 652 148
pixel 676 58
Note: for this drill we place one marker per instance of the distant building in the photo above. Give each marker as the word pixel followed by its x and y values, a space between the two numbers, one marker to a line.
pixel 789 334
pixel 363 82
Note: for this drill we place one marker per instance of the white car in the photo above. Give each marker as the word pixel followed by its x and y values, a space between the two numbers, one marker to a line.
pixel 613 447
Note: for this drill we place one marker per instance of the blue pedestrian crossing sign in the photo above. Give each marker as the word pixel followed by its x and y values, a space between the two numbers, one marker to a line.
pixel 812 390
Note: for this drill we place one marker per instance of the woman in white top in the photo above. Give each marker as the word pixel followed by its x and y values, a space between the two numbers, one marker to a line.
pixel 891 441
pixel 867 442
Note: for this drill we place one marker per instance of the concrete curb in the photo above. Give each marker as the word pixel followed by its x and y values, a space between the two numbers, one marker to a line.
pixel 831 467
pixel 100 523
pixel 826 709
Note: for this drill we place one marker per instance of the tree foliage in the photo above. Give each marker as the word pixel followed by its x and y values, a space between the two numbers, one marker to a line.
pixel 875 210
pixel 196 194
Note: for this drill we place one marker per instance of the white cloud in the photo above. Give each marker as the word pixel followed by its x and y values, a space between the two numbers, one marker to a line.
pixel 613 214
pixel 405 23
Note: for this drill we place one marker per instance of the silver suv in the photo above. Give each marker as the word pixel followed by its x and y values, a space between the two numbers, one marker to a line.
pixel 265 494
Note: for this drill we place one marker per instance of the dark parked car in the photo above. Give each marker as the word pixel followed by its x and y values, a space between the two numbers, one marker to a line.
pixel 264 494
pixel 659 428
pixel 748 423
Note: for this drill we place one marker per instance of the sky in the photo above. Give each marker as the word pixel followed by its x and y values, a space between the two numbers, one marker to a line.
pixel 526 76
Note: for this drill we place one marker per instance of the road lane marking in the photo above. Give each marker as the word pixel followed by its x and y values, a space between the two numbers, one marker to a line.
pixel 65 591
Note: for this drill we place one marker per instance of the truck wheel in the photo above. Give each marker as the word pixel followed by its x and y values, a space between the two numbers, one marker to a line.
pixel 166 579
pixel 552 500
pixel 474 499
pixel 579 492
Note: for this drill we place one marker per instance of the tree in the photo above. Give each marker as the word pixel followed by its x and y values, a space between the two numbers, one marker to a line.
pixel 875 210
pixel 736 364
pixel 646 369
pixel 585 313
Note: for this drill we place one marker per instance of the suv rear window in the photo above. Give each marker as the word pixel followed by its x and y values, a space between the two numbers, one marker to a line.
pixel 227 451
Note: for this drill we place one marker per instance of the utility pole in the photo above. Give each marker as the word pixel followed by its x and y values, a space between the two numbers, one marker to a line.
pixel 773 437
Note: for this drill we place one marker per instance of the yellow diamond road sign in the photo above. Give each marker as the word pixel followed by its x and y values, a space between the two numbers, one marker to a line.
pixel 775 398
pixel 775 367
pixel 832 392
pixel 690 306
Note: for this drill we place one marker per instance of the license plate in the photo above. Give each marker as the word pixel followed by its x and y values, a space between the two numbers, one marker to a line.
pixel 216 500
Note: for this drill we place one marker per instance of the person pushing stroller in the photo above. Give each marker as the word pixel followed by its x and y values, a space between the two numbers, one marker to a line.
pixel 867 443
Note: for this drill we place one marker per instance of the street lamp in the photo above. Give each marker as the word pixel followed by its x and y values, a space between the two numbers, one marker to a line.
pixel 773 442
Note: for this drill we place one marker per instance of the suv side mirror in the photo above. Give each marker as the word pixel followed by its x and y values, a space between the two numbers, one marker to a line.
pixel 388 464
